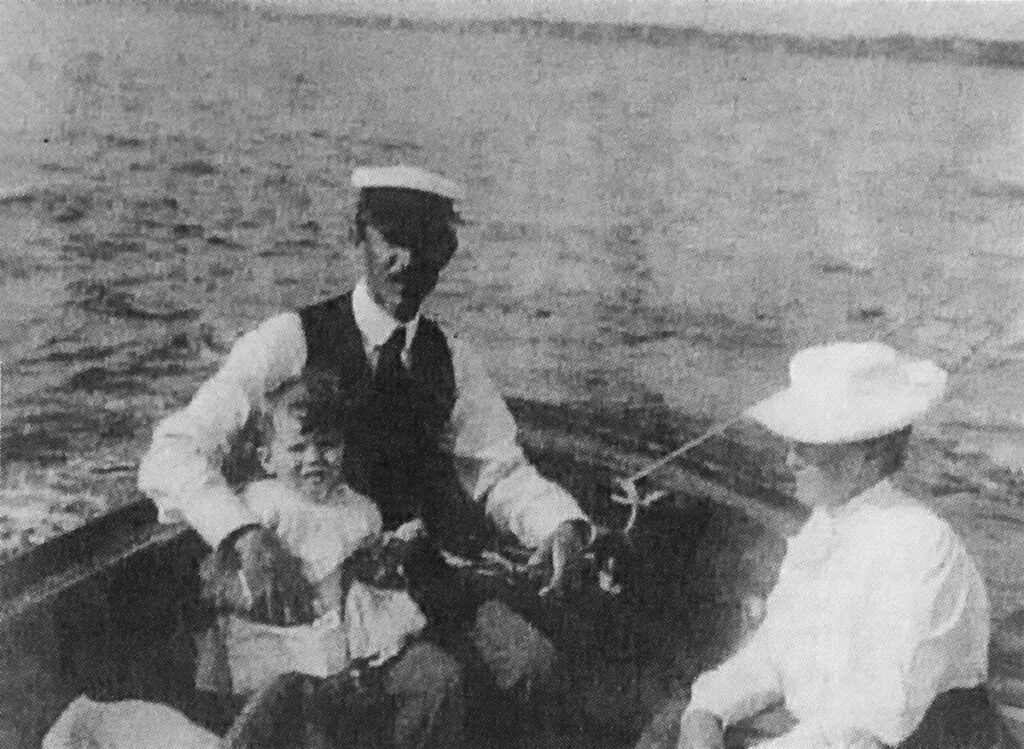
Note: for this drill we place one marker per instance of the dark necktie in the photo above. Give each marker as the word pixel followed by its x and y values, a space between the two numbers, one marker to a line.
pixel 390 369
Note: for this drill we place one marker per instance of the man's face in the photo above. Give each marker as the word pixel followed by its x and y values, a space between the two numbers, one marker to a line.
pixel 309 463
pixel 826 475
pixel 399 279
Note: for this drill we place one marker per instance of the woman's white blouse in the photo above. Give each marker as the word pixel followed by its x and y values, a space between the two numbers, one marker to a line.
pixel 878 609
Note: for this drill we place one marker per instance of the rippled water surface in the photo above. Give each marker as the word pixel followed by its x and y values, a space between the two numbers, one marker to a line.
pixel 658 227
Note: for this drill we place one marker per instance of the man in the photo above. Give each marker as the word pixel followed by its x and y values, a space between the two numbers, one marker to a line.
pixel 876 633
pixel 423 401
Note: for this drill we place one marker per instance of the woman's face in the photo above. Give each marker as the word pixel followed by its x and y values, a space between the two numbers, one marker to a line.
pixel 826 475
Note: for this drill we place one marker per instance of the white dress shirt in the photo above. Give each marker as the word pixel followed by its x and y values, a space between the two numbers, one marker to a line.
pixel 878 609
pixel 181 470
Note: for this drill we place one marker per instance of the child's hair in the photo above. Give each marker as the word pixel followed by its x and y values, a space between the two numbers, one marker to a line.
pixel 316 398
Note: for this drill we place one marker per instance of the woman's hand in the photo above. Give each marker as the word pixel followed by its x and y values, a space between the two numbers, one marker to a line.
pixel 700 729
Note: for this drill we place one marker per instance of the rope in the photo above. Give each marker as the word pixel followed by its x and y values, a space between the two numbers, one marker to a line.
pixel 665 459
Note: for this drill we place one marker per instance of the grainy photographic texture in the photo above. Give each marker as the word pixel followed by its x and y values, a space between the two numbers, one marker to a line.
pixel 664 202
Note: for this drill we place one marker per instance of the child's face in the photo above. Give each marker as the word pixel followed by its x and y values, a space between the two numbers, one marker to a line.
pixel 308 462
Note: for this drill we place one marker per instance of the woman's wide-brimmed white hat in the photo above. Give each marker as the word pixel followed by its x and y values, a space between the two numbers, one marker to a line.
pixel 845 392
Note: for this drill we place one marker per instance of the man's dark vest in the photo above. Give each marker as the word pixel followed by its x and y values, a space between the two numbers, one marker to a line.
pixel 392 435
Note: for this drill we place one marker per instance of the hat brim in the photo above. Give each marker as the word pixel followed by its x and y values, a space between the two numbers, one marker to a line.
pixel 793 416
pixel 407 178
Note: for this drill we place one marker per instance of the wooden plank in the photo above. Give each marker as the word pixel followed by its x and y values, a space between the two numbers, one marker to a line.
pixel 113 540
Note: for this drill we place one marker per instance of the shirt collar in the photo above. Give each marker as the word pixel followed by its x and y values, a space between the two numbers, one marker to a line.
pixel 825 527
pixel 879 494
pixel 375 323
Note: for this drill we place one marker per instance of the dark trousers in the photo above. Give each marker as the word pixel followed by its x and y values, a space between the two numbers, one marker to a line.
pixel 425 694
pixel 495 662
pixel 957 719
pixel 509 667
pixel 512 676
pixel 413 702
pixel 500 666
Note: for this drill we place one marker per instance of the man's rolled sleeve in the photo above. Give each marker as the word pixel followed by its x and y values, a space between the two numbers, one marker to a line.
pixel 491 464
pixel 179 480
pixel 529 506
pixel 181 472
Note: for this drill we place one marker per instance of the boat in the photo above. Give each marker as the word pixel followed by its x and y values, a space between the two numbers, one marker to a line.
pixel 106 610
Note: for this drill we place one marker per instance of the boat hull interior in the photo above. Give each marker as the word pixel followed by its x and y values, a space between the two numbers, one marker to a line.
pixel 109 610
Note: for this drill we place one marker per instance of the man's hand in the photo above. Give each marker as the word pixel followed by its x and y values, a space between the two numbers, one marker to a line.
pixel 278 592
pixel 410 531
pixel 700 729
pixel 562 553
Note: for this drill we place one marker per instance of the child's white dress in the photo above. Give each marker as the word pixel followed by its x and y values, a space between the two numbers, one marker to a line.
pixel 369 625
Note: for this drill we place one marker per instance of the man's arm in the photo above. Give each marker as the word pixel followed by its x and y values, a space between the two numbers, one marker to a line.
pixel 181 472
pixel 491 464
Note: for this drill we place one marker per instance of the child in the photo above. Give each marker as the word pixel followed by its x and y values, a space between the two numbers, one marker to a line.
pixel 322 523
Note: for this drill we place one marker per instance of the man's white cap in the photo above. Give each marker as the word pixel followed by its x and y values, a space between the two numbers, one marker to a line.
pixel 845 392
pixel 408 177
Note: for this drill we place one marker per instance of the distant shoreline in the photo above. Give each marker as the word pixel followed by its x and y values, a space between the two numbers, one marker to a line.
pixel 962 50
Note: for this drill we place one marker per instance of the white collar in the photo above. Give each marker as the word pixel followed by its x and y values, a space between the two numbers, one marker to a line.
pixel 880 494
pixel 375 324
pixel 825 526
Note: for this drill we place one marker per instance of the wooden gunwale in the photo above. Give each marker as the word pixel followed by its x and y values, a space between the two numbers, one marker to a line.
pixel 116 537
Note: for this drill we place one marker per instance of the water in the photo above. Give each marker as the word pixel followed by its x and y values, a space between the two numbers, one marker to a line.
pixel 646 225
